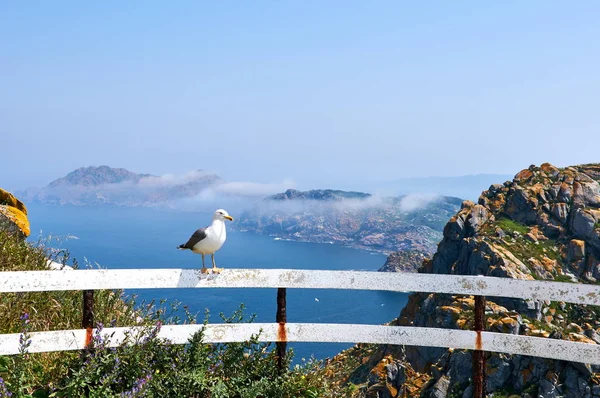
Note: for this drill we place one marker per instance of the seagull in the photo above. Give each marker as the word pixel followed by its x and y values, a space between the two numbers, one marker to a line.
pixel 210 239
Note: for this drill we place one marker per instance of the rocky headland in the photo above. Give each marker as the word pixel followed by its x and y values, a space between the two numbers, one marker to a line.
pixel 544 224
pixel 404 261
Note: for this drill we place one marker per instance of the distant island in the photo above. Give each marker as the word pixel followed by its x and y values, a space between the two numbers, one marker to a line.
pixel 355 219
pixel 319 194
pixel 117 186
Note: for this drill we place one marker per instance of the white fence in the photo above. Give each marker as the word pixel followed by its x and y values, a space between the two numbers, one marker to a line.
pixel 26 281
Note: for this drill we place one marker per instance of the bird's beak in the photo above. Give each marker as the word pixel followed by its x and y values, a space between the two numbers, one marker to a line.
pixel 228 217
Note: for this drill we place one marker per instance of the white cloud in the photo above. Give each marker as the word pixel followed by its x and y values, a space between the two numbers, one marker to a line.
pixel 169 180
pixel 248 188
pixel 414 202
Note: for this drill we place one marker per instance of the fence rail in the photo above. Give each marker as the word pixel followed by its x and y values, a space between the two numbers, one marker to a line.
pixel 65 340
pixel 35 281
pixel 281 332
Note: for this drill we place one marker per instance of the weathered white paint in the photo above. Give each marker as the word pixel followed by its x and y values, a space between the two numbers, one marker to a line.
pixel 65 340
pixel 23 281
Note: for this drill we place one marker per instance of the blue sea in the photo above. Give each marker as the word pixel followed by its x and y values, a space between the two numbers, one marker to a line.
pixel 120 237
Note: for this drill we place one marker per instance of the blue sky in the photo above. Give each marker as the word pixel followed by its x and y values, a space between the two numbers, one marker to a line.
pixel 321 93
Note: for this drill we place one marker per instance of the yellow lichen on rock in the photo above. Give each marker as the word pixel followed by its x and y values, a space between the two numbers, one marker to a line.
pixel 13 213
pixel 8 199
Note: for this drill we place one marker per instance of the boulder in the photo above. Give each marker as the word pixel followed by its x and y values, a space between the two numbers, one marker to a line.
pixel 439 389
pixel 582 223
pixel 479 215
pixel 13 214
pixel 403 261
pixel 591 193
pixel 498 371
pixel 549 169
pixel 576 250
pixel 564 193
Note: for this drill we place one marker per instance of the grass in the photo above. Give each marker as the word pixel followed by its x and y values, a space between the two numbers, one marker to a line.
pixel 563 278
pixel 524 249
pixel 509 225
pixel 149 366
pixel 541 325
pixel 52 310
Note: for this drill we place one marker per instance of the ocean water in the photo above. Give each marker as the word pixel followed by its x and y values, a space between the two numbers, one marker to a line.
pixel 118 237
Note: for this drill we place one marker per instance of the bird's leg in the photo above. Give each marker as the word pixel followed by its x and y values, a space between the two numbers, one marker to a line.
pixel 215 269
pixel 204 270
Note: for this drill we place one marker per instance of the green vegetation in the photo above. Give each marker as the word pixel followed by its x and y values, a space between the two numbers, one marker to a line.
pixel 51 310
pixel 511 393
pixel 540 325
pixel 509 225
pixel 563 278
pixel 544 248
pixel 144 365
pixel 581 315
pixel 524 249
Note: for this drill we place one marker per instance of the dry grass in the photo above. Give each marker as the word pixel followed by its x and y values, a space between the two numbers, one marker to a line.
pixel 52 310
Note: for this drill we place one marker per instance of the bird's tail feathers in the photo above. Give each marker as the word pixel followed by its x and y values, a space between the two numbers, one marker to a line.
pixel 182 247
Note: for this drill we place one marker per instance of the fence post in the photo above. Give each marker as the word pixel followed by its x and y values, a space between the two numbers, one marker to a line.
pixel 87 321
pixel 281 319
pixel 478 354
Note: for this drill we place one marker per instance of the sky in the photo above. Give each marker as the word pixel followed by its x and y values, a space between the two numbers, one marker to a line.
pixel 316 92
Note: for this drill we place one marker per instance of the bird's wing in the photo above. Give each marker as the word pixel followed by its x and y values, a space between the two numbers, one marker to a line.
pixel 195 238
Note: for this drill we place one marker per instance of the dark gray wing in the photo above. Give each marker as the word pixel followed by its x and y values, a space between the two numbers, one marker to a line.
pixel 195 238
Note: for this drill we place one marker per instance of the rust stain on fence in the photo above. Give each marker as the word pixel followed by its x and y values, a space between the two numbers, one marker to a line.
pixel 281 333
pixel 479 354
pixel 88 336
pixel 281 319
pixel 87 320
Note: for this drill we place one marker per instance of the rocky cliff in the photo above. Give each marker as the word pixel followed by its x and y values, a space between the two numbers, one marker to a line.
pixel 353 218
pixel 404 261
pixel 545 224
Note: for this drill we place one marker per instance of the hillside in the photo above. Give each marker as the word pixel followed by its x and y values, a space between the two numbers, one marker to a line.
pixel 319 194
pixel 352 218
pixel 121 187
pixel 545 224
pixel 95 176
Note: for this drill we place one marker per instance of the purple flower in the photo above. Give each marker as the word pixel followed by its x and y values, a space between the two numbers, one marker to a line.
pixel 138 387
pixel 4 393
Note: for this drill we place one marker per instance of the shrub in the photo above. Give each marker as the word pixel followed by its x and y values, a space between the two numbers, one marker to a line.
pixel 144 365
